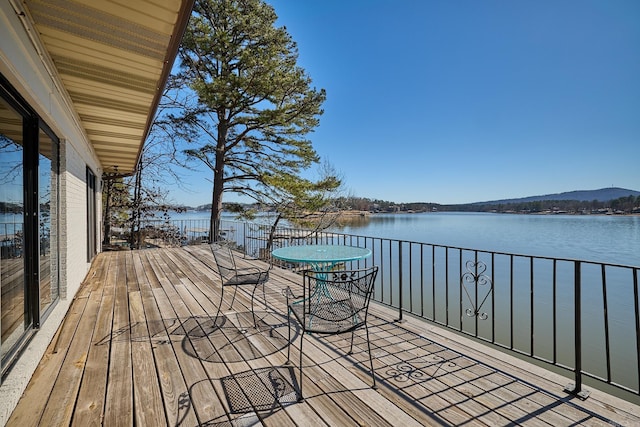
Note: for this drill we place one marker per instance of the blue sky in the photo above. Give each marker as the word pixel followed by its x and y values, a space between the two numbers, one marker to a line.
pixel 464 101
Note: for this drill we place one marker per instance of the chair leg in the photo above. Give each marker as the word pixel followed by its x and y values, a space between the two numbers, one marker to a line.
pixel 221 300
pixel 242 330
pixel 235 290
pixel 289 340
pixel 301 396
pixel 264 296
pixel 373 376
pixel 253 312
pixel 351 348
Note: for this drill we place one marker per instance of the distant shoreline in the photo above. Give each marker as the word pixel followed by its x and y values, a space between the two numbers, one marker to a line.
pixel 362 214
pixel 513 213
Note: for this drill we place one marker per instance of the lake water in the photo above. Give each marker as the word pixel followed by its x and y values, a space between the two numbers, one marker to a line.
pixel 600 238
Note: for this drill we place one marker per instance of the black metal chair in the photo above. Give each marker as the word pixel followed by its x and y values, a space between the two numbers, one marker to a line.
pixel 332 303
pixel 232 275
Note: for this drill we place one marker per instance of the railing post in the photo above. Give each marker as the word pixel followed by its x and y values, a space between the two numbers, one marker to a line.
pixel 400 293
pixel 576 388
pixel 244 238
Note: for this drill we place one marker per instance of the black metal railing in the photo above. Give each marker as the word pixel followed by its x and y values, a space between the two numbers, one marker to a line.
pixel 579 317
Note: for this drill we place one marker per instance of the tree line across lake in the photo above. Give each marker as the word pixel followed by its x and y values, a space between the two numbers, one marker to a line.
pixel 622 205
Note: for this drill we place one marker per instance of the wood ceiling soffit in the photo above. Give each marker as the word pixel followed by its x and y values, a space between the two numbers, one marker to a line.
pixel 89 23
pixel 117 135
pixel 110 55
pixel 106 147
pixel 123 163
pixel 106 121
pixel 88 99
pixel 108 76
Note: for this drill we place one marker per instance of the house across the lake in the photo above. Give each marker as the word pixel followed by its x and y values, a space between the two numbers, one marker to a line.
pixel 80 81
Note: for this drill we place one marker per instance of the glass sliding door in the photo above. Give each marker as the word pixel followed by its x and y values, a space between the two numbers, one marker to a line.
pixel 13 304
pixel 29 200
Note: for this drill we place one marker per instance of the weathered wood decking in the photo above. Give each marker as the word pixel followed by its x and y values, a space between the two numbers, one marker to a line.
pixel 139 346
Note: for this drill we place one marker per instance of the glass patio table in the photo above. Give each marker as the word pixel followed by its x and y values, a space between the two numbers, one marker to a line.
pixel 321 258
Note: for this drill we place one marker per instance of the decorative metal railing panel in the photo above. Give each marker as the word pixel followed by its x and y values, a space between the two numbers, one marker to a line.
pixel 475 282
pixel 581 317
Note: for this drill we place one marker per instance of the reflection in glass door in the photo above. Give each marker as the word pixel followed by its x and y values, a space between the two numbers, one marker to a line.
pixel 13 307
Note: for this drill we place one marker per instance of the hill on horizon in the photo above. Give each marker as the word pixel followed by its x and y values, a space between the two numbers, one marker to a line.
pixel 601 195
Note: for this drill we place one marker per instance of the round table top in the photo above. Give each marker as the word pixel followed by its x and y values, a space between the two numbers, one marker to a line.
pixel 321 253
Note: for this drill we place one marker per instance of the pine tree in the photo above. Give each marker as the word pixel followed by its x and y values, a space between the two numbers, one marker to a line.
pixel 254 106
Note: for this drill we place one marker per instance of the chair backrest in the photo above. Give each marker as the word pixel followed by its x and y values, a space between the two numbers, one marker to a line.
pixel 345 294
pixel 224 259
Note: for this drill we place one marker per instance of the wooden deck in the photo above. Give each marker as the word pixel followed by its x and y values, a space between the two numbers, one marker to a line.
pixel 139 346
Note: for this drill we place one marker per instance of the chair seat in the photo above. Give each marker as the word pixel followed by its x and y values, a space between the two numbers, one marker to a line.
pixel 255 277
pixel 327 318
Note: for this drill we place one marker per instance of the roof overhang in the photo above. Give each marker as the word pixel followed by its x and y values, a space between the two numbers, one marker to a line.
pixel 113 58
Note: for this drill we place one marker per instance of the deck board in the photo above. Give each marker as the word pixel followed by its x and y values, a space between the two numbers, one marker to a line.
pixel 92 394
pixel 141 346
pixel 119 401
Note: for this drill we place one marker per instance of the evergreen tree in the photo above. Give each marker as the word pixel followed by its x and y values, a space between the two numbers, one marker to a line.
pixel 313 205
pixel 254 106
